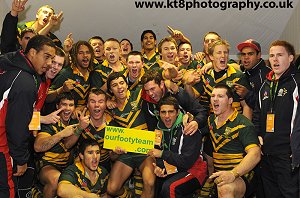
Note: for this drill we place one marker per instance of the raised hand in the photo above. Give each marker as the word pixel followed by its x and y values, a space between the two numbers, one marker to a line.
pixel 52 118
pixel 176 34
pixel 69 85
pixel 199 56
pixel 17 7
pixel 84 120
pixel 68 43
pixel 55 19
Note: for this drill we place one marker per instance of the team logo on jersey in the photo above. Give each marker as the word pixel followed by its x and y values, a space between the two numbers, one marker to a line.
pixel 207 81
pixel 252 84
pixel 134 105
pixel 77 81
pixel 227 132
pixel 123 115
pixel 265 95
pixel 229 83
pixel 84 183
pixel 282 92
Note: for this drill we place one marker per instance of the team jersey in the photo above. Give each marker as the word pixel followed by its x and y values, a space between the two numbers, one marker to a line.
pixel 58 155
pixel 150 62
pixel 75 174
pixel 204 88
pixel 81 83
pixel 101 72
pixel 231 140
pixel 130 115
pixel 193 65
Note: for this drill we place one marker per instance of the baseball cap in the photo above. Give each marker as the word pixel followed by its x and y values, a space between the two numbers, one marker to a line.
pixel 249 43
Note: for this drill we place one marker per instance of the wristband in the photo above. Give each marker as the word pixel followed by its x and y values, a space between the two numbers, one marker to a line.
pixel 78 131
pixel 235 173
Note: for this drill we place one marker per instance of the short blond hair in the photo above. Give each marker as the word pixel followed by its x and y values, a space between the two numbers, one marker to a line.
pixel 212 46
pixel 45 6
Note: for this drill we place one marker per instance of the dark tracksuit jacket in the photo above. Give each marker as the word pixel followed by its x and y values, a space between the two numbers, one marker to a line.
pixel 18 89
pixel 9 34
pixel 256 76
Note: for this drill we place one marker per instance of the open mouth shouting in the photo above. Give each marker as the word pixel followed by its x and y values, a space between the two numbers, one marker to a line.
pixel 216 106
pixel 95 163
pixel 66 114
pixel 135 72
pixel 85 62
pixel 97 113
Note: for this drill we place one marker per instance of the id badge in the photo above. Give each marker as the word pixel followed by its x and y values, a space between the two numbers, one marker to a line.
pixel 158 137
pixel 170 169
pixel 35 123
pixel 270 122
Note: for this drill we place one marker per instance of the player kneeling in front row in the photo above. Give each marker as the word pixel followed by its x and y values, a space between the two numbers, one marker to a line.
pixel 85 178
pixel 234 145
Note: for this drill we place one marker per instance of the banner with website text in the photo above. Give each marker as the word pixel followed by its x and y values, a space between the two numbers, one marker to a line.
pixel 132 140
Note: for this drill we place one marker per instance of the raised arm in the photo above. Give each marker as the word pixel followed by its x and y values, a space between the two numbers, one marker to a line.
pixel 9 34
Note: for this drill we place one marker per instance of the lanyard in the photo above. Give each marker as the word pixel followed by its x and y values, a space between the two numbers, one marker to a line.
pixel 273 94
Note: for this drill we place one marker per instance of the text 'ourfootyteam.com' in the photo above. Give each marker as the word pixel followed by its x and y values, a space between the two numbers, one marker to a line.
pixel 222 5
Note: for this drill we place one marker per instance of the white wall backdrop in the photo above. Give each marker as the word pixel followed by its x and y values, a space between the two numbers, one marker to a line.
pixel 120 19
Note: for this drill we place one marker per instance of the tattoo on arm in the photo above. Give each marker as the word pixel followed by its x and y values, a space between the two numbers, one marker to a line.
pixel 48 144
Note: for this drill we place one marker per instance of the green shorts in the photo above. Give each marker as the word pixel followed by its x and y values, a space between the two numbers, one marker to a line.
pixel 42 163
pixel 133 160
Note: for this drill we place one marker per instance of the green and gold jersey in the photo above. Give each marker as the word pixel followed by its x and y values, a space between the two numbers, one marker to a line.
pixel 81 83
pixel 150 62
pixel 130 115
pixel 96 62
pixel 91 132
pixel 58 155
pixel 204 88
pixel 132 86
pixel 75 174
pixel 193 65
pixel 101 72
pixel 231 140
